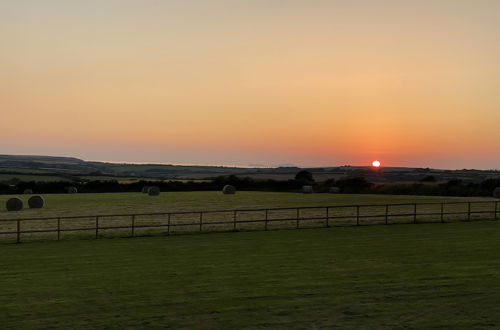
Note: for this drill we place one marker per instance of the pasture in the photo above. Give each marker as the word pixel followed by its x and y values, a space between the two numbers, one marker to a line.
pixel 110 215
pixel 106 203
pixel 425 276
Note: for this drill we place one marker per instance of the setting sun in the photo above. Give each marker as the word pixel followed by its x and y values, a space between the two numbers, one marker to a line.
pixel 376 163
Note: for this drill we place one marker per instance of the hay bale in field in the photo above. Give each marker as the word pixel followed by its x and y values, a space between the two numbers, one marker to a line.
pixel 228 190
pixel 153 191
pixel 27 191
pixel 14 204
pixel 145 189
pixel 72 190
pixel 334 190
pixel 307 189
pixel 36 202
pixel 496 192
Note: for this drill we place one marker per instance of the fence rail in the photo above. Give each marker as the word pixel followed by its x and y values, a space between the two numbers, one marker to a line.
pixel 141 224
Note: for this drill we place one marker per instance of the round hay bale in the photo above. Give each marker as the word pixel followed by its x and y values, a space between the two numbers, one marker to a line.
pixel 228 190
pixel 153 191
pixel 28 191
pixel 307 189
pixel 72 190
pixel 496 192
pixel 145 189
pixel 334 190
pixel 14 204
pixel 36 202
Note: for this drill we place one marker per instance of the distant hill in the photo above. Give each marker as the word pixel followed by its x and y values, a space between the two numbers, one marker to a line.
pixel 39 159
pixel 25 167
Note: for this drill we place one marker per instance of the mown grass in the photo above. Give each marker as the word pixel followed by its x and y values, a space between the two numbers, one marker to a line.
pixel 427 276
pixel 122 203
pixel 90 205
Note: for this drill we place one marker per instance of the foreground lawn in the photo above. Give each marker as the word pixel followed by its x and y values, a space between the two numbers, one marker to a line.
pixel 401 276
pixel 122 203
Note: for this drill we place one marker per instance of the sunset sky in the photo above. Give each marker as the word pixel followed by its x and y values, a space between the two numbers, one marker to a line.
pixel 307 82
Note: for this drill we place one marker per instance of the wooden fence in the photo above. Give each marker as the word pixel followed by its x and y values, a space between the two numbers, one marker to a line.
pixel 143 224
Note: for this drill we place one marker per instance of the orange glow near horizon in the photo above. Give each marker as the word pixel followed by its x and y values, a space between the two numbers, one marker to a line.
pixel 259 82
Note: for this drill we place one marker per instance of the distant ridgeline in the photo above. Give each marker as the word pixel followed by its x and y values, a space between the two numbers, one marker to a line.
pixel 43 165
pixel 46 174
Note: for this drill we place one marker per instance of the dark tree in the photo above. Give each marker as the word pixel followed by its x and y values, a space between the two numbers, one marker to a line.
pixel 304 176
pixel 429 178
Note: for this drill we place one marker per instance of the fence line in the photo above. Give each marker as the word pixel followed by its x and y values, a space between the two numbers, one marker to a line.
pixel 289 217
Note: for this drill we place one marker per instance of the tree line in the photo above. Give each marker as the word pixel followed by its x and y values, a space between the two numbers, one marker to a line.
pixel 353 185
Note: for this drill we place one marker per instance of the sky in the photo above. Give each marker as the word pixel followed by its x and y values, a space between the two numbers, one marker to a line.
pixel 233 82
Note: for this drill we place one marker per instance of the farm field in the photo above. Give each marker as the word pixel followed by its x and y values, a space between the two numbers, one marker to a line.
pixel 109 215
pixel 425 276
pixel 28 177
pixel 109 203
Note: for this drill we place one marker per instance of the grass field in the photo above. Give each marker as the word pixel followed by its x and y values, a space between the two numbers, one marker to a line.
pixel 106 203
pixel 428 276
pixel 28 177
pixel 90 205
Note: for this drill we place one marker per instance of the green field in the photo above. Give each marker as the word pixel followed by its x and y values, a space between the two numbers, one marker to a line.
pixel 28 177
pixel 88 206
pixel 106 203
pixel 426 276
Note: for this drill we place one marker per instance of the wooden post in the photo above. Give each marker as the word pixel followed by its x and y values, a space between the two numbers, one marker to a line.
pixel 58 229
pixel 18 239
pixel 298 214
pixel 387 214
pixel 133 225
pixel 201 220
pixel 168 224
pixel 327 217
pixel 415 213
pixel 97 227
pixel 265 226
pixel 468 211
pixel 357 215
pixel 496 210
pixel 442 212
pixel 234 220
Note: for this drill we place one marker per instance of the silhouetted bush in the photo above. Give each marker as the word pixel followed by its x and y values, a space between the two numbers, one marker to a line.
pixel 429 178
pixel 304 177
pixel 354 185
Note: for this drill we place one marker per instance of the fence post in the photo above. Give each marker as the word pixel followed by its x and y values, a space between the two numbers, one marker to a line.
pixel 58 229
pixel 97 227
pixel 442 212
pixel 496 210
pixel 327 217
pixel 387 214
pixel 357 215
pixel 298 214
pixel 18 239
pixel 201 220
pixel 234 220
pixel 265 227
pixel 133 225
pixel 415 213
pixel 168 224
pixel 468 211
